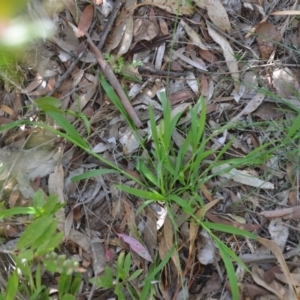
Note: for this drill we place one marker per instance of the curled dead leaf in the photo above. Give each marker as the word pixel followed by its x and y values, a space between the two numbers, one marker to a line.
pixel 267 37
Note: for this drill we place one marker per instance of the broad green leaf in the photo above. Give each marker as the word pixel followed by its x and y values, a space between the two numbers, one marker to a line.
pixel 52 205
pixel 38 199
pixel 50 265
pixel 127 264
pixel 135 274
pixel 132 291
pixel 17 211
pixel 93 173
pixel 51 244
pixel 46 236
pixel 64 284
pixel 141 193
pixel 48 102
pixel 105 281
pixel 34 231
pixel 27 254
pixel 118 291
pixel 120 267
pixel 37 293
pixel 12 286
pixel 76 283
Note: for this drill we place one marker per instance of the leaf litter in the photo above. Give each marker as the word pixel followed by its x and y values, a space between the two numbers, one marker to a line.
pixel 210 53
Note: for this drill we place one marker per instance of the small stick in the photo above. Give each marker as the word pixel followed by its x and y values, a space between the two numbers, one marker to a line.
pixel 109 23
pixel 114 82
pixel 143 69
pixel 63 77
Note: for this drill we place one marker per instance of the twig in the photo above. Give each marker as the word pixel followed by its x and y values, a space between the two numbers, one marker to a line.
pixel 71 92
pixel 143 69
pixel 114 82
pixel 109 23
pixel 62 78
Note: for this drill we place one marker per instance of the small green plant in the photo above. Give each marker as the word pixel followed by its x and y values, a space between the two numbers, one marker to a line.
pixel 123 279
pixel 34 252
pixel 119 66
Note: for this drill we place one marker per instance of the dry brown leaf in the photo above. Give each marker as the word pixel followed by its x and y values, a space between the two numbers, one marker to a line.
pixel 85 20
pixel 98 255
pixel 273 247
pixel 241 176
pixel 283 278
pixel 216 13
pixel 127 37
pixel 194 37
pixel 268 111
pixel 267 37
pixel 286 13
pixel 286 213
pixel 279 233
pixel 197 64
pixel 117 33
pixel 183 7
pixel 204 86
pixel 150 232
pixel 180 96
pixel 73 8
pixel 274 287
pixel 253 104
pixel 285 82
pixel 216 219
pixel 145 30
pixel 56 187
pixel 163 26
pixel 167 241
pixel 228 54
pixel 208 56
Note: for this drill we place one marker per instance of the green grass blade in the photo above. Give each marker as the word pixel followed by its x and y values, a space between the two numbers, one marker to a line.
pixel 229 229
pixel 68 128
pixel 18 211
pixel 141 193
pixel 152 273
pixel 230 271
pixel 93 173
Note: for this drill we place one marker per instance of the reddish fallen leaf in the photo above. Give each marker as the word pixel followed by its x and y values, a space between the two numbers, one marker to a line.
pixel 254 139
pixel 180 96
pixel 136 246
pixel 286 213
pixel 208 56
pixel 267 37
pixel 108 254
pixel 4 120
pixel 204 86
pixel 85 20
pixel 270 274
